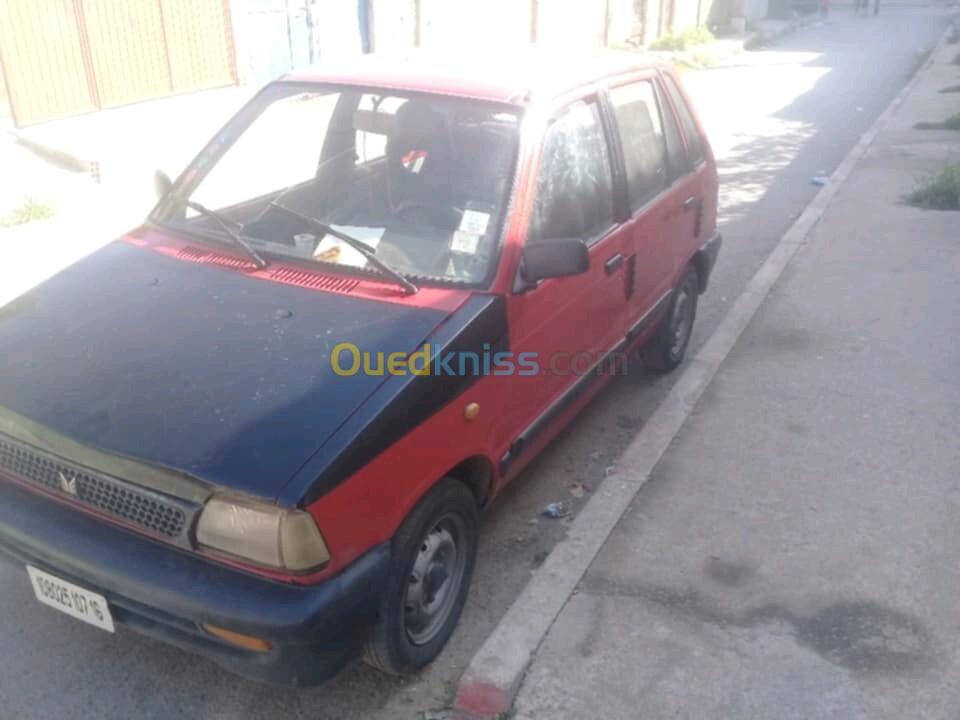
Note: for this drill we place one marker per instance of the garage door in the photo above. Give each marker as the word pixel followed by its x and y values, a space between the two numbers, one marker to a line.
pixel 64 57
pixel 43 59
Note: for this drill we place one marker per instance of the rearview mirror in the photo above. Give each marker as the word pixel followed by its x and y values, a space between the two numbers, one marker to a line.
pixel 162 184
pixel 560 257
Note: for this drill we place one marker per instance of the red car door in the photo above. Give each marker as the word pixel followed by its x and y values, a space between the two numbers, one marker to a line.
pixel 652 205
pixel 568 324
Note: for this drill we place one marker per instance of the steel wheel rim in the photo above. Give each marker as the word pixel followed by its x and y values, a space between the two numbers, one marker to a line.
pixel 682 312
pixel 433 584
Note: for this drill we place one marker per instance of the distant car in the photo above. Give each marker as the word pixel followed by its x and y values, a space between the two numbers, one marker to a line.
pixel 261 426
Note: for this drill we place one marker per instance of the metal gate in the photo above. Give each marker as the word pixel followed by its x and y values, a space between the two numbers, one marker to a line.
pixel 277 36
pixel 65 57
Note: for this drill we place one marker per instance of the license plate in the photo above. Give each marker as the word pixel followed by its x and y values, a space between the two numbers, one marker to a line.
pixel 72 600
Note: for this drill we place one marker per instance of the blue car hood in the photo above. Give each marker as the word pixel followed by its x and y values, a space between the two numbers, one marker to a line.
pixel 194 368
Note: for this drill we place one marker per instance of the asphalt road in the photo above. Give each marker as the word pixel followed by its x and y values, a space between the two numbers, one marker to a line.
pixel 776 118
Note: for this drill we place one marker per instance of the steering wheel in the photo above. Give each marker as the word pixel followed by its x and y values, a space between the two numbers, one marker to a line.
pixel 425 230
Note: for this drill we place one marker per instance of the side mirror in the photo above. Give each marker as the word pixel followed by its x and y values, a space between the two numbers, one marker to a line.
pixel 162 184
pixel 561 257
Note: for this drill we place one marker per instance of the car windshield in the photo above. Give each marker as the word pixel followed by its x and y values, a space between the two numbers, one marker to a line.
pixel 421 179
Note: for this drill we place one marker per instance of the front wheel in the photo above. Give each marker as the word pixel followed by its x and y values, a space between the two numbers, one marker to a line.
pixel 668 346
pixel 434 553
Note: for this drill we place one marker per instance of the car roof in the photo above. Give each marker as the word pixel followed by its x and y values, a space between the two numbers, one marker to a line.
pixel 515 78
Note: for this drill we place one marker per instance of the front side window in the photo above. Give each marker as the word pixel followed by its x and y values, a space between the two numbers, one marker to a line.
pixel 641 136
pixel 574 190
pixel 422 180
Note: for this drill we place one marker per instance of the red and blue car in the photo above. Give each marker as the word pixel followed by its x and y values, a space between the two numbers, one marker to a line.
pixel 261 427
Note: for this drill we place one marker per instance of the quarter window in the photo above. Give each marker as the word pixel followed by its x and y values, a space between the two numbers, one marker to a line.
pixel 641 136
pixel 694 141
pixel 574 190
pixel 677 161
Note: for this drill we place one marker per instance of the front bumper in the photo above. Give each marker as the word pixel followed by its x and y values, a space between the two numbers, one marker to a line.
pixel 165 592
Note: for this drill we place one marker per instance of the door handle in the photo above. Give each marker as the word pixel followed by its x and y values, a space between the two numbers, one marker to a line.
pixel 689 203
pixel 613 264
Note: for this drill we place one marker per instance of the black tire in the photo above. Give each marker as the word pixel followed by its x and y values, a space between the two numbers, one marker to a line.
pixel 666 349
pixel 405 640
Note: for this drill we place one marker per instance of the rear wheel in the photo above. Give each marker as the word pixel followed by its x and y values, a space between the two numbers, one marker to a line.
pixel 434 553
pixel 669 345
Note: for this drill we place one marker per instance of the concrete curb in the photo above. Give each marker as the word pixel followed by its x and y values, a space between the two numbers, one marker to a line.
pixel 490 683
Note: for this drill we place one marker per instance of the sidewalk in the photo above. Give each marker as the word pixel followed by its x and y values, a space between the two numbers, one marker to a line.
pixel 96 173
pixel 85 216
pixel 116 144
pixel 794 554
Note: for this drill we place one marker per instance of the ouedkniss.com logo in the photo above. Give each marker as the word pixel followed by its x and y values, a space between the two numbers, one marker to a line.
pixel 348 359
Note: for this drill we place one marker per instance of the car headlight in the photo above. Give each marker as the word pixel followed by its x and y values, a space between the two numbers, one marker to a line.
pixel 262 533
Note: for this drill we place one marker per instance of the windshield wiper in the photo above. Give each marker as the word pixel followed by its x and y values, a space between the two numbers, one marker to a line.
pixel 361 247
pixel 228 226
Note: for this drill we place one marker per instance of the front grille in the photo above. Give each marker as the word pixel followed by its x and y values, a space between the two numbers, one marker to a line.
pixel 150 511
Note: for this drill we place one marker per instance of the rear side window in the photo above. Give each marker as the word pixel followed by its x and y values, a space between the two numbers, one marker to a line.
pixel 641 136
pixel 575 186
pixel 694 141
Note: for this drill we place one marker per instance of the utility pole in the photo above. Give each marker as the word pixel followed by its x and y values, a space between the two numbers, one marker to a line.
pixel 606 23
pixel 286 7
pixel 416 23
pixel 311 35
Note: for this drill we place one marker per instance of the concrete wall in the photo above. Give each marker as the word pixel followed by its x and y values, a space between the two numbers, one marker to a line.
pixel 687 14
pixel 621 20
pixel 394 25
pixel 573 24
pixel 469 24
pixel 336 29
pixel 714 14
pixel 459 24
pixel 274 36
pixel 756 9
pixel 719 13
